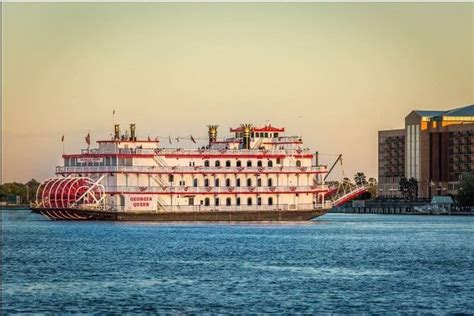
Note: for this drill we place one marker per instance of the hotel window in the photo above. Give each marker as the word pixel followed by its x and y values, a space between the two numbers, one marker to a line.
pixel 170 178
pixel 266 135
pixel 270 201
pixel 275 135
pixel 259 182
pixel 249 182
pixel 217 163
pixel 207 201
pixel 228 201
pixel 270 163
pixel 249 163
pixel 270 182
pixel 259 201
pixel 206 163
pixel 216 182
pixel 227 163
pixel 239 163
pixel 217 201
pixel 249 201
pixel 252 135
pixel 298 163
pixel 237 201
pixel 195 182
pixel 259 163
pixel 237 182
pixel 278 161
pixel 227 182
pixel 206 182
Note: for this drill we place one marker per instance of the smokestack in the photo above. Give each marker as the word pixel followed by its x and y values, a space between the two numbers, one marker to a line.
pixel 212 133
pixel 117 131
pixel 132 132
pixel 246 129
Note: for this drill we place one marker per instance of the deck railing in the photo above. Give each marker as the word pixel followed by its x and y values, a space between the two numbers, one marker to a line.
pixel 171 151
pixel 187 169
pixel 215 190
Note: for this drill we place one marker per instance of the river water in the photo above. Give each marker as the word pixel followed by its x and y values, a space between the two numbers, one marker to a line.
pixel 338 263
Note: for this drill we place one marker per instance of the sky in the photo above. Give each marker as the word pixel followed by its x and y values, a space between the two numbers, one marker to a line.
pixel 334 73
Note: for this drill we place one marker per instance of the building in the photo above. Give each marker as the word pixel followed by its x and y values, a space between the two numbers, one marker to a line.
pixel 435 148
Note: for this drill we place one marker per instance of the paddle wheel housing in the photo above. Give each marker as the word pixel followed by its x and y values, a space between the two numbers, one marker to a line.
pixel 70 192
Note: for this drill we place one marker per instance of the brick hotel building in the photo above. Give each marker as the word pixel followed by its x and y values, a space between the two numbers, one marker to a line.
pixel 435 147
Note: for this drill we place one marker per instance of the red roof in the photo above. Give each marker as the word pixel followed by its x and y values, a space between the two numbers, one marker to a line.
pixel 266 128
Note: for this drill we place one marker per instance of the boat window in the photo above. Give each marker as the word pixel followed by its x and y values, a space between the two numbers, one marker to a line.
pixel 275 135
pixel 298 163
pixel 249 201
pixel 259 163
pixel 206 163
pixel 270 201
pixel 249 182
pixel 266 135
pixel 228 201
pixel 270 163
pixel 249 163
pixel 227 163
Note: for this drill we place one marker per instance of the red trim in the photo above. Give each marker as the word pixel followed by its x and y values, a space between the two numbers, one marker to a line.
pixel 128 141
pixel 214 193
pixel 197 172
pixel 108 155
pixel 206 156
pixel 283 143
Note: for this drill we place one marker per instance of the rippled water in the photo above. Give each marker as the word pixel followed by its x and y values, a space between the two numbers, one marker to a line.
pixel 337 263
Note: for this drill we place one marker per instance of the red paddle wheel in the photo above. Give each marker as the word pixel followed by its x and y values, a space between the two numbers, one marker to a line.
pixel 70 192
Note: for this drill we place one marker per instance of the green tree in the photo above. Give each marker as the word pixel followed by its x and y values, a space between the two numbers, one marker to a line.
pixel 466 189
pixel 359 178
pixel 373 187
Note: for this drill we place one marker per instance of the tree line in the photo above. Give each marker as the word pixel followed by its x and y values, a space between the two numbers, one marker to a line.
pixel 25 191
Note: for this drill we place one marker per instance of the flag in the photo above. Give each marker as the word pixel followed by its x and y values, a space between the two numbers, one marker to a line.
pixel 192 139
pixel 169 138
pixel 62 138
pixel 88 139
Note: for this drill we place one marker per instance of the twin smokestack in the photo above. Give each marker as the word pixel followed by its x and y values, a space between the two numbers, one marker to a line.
pixel 117 136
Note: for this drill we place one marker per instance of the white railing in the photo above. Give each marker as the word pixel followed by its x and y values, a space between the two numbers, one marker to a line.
pixel 181 151
pixel 230 208
pixel 222 190
pixel 187 169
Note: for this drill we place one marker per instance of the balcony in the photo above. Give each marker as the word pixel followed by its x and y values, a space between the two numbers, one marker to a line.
pixel 214 190
pixel 190 170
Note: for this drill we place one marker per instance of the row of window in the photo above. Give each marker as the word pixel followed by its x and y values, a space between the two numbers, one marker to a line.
pixel 228 201
pixel 238 163
pixel 228 182
pixel 258 134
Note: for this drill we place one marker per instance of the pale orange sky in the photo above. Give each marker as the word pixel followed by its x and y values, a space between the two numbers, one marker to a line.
pixel 335 73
